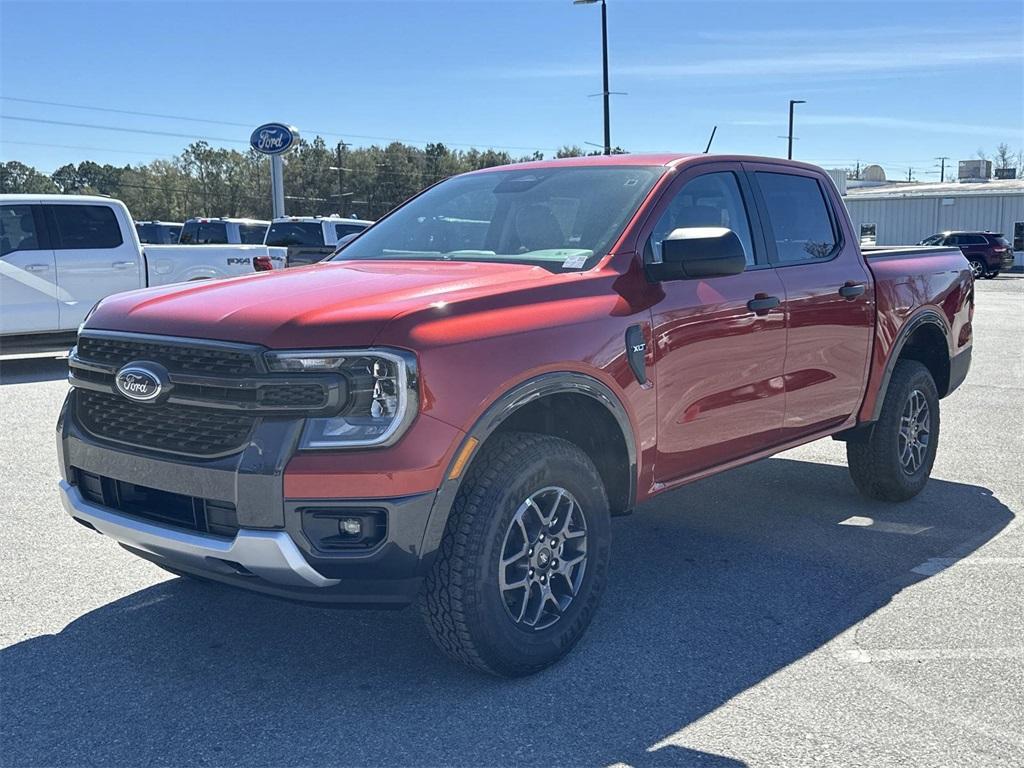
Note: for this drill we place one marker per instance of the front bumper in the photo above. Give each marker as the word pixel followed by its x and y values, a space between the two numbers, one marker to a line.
pixel 270 551
pixel 268 555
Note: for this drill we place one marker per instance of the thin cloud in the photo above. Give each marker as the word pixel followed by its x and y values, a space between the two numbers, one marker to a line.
pixel 800 63
pixel 869 121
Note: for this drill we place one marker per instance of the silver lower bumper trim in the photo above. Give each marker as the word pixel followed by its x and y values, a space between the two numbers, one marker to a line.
pixel 269 555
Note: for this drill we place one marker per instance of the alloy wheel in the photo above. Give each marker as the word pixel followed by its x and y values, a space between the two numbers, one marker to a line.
pixel 915 432
pixel 543 558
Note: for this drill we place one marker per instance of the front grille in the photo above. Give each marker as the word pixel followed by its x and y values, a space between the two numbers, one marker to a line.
pixel 292 395
pixel 192 512
pixel 204 432
pixel 176 358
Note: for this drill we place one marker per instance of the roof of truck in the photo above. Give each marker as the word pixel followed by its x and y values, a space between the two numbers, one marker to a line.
pixel 643 159
pixel 23 198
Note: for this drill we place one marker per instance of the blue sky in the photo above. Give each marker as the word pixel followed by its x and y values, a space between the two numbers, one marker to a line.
pixel 897 83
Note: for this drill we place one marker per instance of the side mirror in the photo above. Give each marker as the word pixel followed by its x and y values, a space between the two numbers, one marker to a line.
pixel 690 253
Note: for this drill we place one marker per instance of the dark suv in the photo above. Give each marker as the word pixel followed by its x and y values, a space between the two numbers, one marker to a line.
pixel 988 252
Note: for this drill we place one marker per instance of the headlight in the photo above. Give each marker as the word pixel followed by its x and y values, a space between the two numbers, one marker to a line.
pixel 382 401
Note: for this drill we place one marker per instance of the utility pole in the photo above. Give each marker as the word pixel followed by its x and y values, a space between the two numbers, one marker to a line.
pixel 604 58
pixel 910 174
pixel 340 168
pixel 942 168
pixel 792 103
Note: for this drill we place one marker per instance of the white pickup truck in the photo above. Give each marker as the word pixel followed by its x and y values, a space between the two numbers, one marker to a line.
pixel 309 239
pixel 60 254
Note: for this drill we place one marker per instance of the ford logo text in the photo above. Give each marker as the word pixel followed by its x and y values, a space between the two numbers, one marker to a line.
pixel 138 382
pixel 273 138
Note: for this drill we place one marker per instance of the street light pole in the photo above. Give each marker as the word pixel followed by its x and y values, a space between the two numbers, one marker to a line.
pixel 604 59
pixel 792 103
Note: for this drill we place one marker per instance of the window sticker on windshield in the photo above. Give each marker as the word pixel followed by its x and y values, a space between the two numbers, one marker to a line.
pixel 632 182
pixel 575 261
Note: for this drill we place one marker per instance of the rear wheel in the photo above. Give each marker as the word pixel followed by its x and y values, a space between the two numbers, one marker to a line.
pixel 992 274
pixel 524 558
pixel 977 268
pixel 894 460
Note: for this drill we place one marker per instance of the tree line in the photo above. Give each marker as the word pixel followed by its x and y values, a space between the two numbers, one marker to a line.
pixel 319 180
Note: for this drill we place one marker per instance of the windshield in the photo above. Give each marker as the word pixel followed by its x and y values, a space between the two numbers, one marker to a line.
pixel 559 218
pixel 309 233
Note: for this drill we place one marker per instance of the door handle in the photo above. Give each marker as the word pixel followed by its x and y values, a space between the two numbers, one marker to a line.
pixel 36 267
pixel 852 290
pixel 762 304
pixel 123 264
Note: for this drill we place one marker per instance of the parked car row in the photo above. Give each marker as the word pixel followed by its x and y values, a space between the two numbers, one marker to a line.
pixel 308 238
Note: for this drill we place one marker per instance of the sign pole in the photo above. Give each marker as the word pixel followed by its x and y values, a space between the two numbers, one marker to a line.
pixel 277 185
pixel 274 139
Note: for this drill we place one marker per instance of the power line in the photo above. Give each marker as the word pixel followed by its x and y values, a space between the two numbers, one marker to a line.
pixel 119 129
pixel 249 126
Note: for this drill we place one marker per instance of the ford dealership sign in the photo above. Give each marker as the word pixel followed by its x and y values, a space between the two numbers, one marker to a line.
pixel 274 138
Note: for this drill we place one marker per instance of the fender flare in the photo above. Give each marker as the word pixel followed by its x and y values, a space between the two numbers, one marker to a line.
pixel 924 317
pixel 502 408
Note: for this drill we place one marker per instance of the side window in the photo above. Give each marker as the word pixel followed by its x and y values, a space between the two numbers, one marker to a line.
pixel 973 240
pixel 17 229
pixel 712 200
pixel 340 230
pixel 952 240
pixel 86 226
pixel 799 217
pixel 251 234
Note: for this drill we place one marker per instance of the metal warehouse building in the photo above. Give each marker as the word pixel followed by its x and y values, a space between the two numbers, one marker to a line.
pixel 904 214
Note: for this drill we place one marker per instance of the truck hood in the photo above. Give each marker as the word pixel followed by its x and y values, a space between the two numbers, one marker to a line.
pixel 339 304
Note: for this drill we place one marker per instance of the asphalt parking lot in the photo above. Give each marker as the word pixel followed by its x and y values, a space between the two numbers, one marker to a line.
pixel 765 617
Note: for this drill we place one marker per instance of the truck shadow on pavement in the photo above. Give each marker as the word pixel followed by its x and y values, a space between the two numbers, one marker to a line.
pixel 714 587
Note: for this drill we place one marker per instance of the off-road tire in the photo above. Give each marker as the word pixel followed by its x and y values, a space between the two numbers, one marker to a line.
pixel 874 459
pixel 462 603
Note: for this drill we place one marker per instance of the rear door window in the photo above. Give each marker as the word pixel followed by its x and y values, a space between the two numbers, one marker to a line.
pixel 82 227
pixel 18 229
pixel 800 220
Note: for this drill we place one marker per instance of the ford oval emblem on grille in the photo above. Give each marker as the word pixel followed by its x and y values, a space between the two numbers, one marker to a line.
pixel 140 382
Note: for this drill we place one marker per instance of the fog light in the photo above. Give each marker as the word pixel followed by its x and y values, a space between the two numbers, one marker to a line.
pixel 350 526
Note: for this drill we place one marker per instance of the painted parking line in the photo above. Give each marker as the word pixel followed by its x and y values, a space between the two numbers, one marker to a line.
pixel 883 526
pixel 867 656
pixel 934 565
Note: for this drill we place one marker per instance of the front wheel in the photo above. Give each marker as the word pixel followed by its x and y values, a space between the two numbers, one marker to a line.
pixel 524 558
pixel 978 268
pixel 894 460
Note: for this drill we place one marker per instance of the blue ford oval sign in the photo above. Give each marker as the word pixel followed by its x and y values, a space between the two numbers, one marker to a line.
pixel 273 138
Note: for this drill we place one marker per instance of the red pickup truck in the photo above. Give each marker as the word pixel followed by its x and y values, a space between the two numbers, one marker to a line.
pixel 451 409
